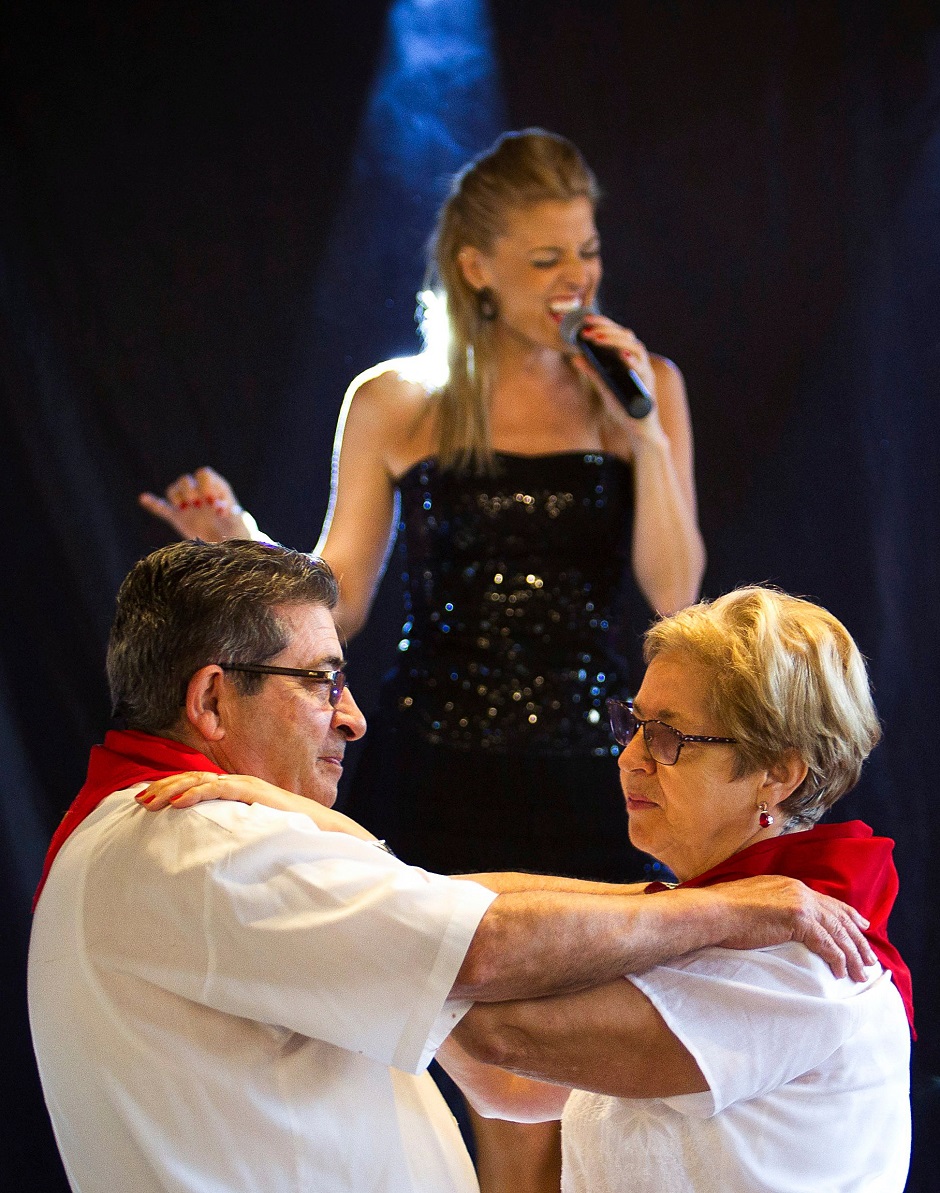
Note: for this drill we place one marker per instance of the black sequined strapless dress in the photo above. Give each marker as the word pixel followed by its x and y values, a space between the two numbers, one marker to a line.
pixel 491 749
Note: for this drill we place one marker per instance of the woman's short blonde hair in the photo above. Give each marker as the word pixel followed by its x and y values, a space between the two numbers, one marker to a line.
pixel 785 674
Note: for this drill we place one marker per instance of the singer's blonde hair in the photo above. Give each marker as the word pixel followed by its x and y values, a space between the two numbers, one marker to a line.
pixel 518 171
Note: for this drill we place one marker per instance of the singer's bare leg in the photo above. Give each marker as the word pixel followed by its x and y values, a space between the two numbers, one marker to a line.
pixel 517 1157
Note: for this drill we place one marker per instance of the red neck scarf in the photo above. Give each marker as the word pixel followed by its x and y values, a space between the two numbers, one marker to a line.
pixel 843 860
pixel 127 757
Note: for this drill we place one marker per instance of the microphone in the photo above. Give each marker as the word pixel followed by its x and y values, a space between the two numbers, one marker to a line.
pixel 626 383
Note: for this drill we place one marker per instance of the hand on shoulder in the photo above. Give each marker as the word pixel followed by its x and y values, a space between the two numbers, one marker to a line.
pixel 189 788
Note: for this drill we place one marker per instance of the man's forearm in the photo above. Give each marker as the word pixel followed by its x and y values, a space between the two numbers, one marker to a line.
pixel 535 943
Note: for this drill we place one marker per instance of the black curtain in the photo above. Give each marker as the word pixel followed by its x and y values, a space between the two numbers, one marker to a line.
pixel 188 275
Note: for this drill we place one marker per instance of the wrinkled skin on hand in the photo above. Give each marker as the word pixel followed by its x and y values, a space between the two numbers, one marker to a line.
pixel 776 909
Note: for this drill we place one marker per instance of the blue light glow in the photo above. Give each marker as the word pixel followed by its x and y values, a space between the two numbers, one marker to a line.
pixel 435 103
pixel 436 99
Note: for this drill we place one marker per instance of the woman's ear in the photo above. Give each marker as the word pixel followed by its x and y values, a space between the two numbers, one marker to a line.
pixel 473 267
pixel 203 703
pixel 782 778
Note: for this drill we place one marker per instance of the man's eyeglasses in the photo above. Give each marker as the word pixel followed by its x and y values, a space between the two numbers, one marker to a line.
pixel 336 679
pixel 663 742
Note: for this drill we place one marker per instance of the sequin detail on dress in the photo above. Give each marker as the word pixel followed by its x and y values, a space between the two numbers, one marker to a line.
pixel 511 584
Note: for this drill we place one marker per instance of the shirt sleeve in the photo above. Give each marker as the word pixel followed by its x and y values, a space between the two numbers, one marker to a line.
pixel 259 913
pixel 753 1020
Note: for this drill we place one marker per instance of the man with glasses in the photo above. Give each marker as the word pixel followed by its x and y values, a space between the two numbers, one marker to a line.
pixel 235 996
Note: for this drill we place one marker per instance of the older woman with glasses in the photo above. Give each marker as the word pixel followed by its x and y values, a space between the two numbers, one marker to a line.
pixel 745 1071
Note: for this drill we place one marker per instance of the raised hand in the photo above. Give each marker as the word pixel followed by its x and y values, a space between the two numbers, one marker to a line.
pixel 200 505
pixel 598 329
pixel 603 332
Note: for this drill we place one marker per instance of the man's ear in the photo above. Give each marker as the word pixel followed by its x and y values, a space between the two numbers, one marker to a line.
pixel 472 264
pixel 782 778
pixel 203 703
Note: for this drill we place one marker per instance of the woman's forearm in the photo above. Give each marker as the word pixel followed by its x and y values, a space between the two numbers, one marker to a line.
pixel 494 1093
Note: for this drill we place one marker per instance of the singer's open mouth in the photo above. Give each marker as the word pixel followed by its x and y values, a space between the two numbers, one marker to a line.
pixel 559 307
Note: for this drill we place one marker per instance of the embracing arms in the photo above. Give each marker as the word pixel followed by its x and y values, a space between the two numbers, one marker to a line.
pixel 546 935
pixel 546 962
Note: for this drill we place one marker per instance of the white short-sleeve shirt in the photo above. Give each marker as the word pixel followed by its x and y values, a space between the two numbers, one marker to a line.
pixel 228 998
pixel 808 1078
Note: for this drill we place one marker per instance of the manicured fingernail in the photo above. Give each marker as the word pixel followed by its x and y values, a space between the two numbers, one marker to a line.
pixel 143 797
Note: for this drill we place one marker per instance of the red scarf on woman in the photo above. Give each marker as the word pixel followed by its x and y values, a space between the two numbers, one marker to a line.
pixel 127 757
pixel 843 860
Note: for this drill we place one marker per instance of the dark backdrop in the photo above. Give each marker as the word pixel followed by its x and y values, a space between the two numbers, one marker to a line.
pixel 209 224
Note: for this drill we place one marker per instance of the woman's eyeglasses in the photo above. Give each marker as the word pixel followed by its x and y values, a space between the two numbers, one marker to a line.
pixel 336 679
pixel 663 742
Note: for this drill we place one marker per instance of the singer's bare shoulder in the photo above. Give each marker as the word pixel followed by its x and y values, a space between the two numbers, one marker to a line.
pixel 665 368
pixel 392 387
pixel 392 402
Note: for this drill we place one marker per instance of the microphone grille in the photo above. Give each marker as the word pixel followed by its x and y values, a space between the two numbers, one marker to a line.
pixel 573 321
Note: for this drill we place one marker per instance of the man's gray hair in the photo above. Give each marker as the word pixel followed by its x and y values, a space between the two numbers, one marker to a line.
pixel 194 603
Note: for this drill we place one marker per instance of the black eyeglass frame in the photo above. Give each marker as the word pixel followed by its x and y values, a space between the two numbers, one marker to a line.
pixel 681 738
pixel 336 679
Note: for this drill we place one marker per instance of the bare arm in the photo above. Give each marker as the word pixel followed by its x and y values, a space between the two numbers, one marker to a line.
pixel 189 788
pixel 609 1040
pixel 358 532
pixel 668 554
pixel 497 1093
pixel 531 944
pixel 665 504
pixel 373 435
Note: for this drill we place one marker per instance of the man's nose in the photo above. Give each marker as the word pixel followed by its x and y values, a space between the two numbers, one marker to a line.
pixel 348 718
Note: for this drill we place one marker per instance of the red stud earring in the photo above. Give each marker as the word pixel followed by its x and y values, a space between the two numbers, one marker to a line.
pixel 765 819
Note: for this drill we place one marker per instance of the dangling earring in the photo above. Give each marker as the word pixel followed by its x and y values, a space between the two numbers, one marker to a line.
pixel 765 820
pixel 486 304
